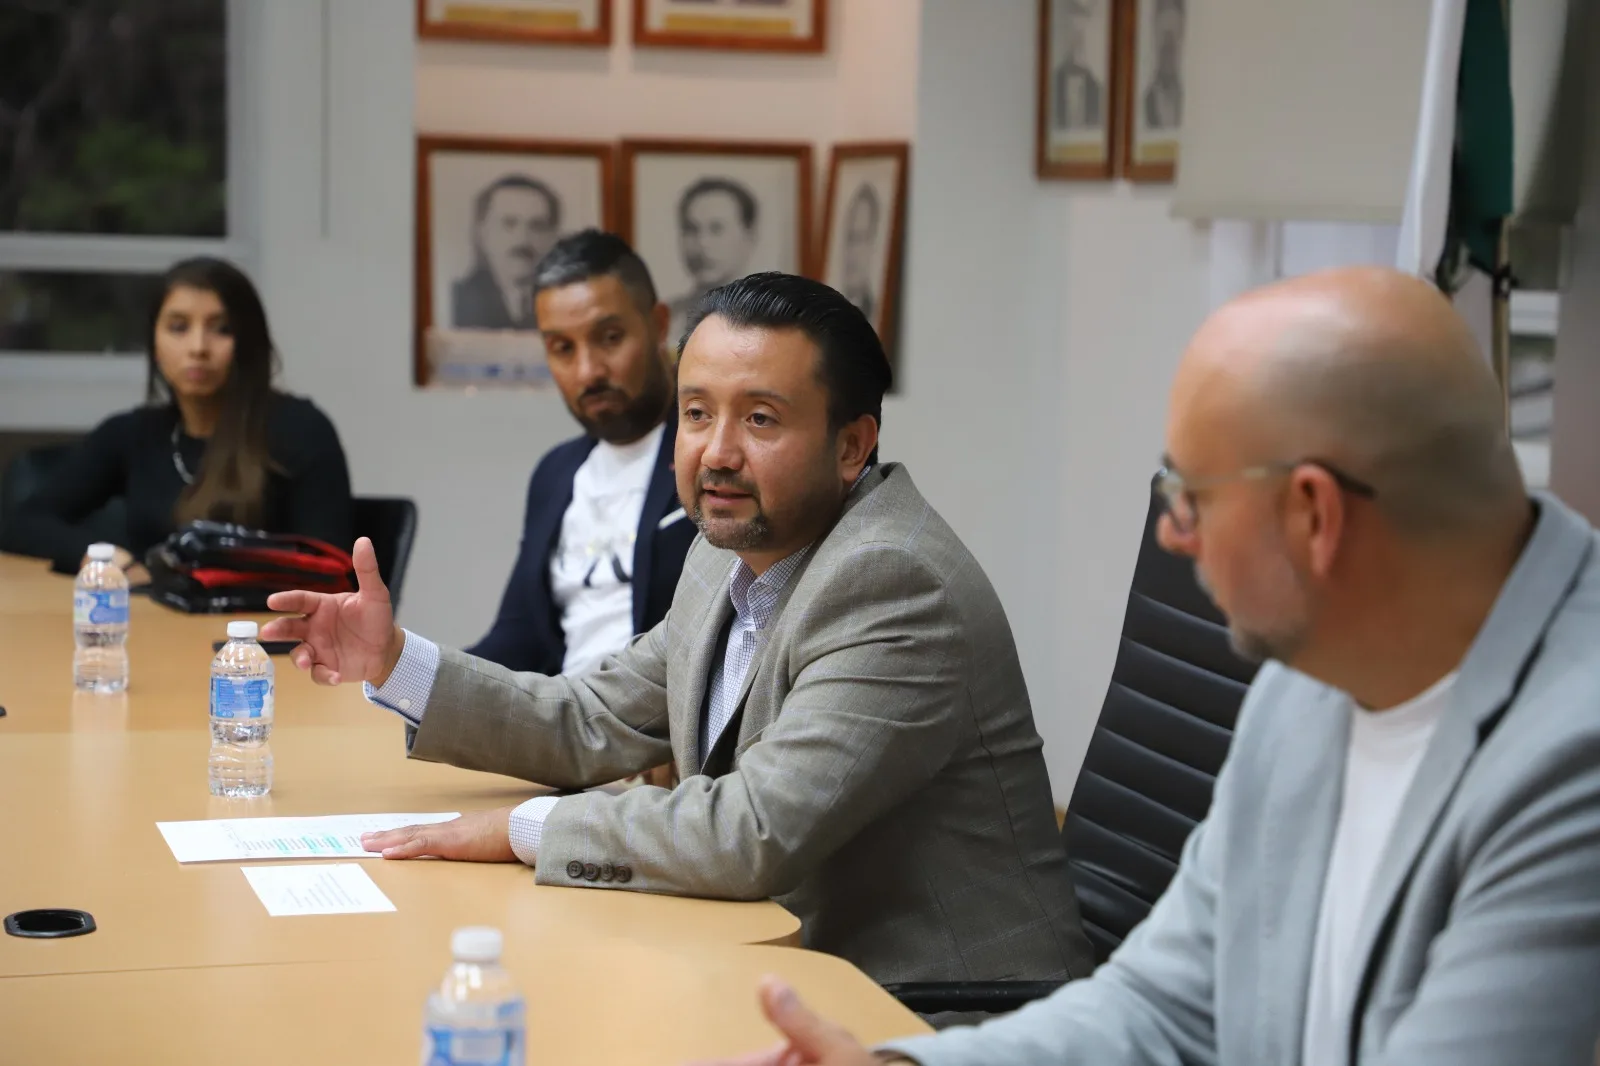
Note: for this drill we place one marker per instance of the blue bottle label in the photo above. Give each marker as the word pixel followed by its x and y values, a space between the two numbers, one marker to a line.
pixel 100 607
pixel 503 1045
pixel 241 697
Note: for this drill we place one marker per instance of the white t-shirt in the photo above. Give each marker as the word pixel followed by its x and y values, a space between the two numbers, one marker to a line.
pixel 1384 752
pixel 591 570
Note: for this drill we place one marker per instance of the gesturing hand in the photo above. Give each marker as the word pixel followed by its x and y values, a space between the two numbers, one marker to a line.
pixel 481 836
pixel 809 1039
pixel 344 636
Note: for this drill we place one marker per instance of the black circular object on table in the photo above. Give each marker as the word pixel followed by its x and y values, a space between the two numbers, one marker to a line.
pixel 49 923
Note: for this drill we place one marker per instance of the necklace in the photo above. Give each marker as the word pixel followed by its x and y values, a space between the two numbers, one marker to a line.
pixel 177 460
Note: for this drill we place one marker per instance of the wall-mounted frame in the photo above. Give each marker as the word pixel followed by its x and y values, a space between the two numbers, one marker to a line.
pixel 487 211
pixel 702 213
pixel 1150 62
pixel 863 231
pixel 582 22
pixel 738 25
pixel 1076 99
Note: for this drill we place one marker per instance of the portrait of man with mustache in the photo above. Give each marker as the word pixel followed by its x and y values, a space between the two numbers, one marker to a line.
pixel 516 220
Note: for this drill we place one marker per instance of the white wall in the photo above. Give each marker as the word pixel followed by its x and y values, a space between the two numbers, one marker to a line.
pixel 341 299
pixel 1043 321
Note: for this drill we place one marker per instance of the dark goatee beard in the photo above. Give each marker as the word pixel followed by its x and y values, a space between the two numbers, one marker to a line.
pixel 745 536
pixel 637 417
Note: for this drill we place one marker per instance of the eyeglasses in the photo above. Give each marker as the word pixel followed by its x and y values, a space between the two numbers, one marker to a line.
pixel 1178 492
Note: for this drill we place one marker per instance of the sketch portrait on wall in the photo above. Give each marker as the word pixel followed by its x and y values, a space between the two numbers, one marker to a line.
pixel 863 235
pixel 740 25
pixel 1152 61
pixel 1077 90
pixel 702 215
pixel 487 212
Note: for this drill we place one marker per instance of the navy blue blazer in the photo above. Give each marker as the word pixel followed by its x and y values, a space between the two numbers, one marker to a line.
pixel 527 633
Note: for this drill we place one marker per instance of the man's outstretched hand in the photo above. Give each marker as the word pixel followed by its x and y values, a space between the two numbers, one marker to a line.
pixel 344 636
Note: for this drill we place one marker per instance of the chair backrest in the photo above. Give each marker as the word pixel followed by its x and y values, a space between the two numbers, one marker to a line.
pixel 25 473
pixel 391 522
pixel 1163 732
pixel 30 469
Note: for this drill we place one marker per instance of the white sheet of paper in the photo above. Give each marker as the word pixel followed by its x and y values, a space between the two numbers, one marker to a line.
pixel 334 836
pixel 341 888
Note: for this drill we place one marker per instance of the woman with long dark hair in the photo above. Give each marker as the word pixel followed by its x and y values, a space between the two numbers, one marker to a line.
pixel 214 440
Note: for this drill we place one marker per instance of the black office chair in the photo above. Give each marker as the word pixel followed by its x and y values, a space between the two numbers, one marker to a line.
pixel 391 522
pixel 27 472
pixel 1147 777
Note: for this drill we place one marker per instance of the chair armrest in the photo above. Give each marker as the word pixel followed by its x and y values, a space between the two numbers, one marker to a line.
pixel 990 997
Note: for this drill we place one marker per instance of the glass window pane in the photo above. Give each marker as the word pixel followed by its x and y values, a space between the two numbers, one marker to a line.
pixel 64 312
pixel 113 117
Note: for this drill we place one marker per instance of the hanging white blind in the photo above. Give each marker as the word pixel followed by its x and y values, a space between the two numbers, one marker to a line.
pixel 1300 109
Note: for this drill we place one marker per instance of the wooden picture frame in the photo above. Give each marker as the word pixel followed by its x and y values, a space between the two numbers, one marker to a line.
pixel 519 196
pixel 1149 63
pixel 1076 93
pixel 734 25
pixel 517 21
pixel 701 213
pixel 862 251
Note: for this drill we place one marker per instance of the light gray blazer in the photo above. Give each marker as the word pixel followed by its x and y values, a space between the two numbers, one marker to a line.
pixel 882 777
pixel 1482 937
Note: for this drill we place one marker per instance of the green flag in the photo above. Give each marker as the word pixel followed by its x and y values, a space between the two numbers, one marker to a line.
pixel 1481 165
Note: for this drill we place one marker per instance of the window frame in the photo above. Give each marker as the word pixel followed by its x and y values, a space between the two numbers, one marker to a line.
pixel 121 254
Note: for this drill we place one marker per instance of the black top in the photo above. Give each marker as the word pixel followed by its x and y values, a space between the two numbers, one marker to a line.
pixel 130 455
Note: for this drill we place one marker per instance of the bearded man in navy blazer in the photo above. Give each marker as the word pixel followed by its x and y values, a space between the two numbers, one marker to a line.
pixel 604 536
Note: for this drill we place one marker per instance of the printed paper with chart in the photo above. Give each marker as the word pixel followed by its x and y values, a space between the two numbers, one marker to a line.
pixel 336 836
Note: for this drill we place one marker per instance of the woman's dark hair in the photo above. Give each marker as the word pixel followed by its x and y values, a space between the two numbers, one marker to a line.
pixel 231 482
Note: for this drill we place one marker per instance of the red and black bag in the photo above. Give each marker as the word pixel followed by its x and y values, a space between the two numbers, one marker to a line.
pixel 213 567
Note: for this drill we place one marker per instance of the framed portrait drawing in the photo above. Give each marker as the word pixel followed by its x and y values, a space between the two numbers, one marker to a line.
pixel 517 21
pixel 746 25
pixel 488 210
pixel 702 213
pixel 1151 65
pixel 1076 101
pixel 863 230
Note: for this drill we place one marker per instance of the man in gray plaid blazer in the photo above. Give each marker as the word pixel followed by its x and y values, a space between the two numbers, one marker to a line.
pixel 836 683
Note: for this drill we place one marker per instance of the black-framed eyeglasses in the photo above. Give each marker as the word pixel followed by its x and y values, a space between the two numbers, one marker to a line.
pixel 1178 492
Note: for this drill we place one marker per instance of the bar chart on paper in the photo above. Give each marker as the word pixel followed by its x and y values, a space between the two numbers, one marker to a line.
pixel 336 836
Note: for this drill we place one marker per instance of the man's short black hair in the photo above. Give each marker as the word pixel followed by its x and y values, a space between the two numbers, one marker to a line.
pixel 740 194
pixel 593 253
pixel 480 206
pixel 851 365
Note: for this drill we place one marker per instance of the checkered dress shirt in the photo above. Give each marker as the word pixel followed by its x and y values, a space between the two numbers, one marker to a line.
pixel 754 601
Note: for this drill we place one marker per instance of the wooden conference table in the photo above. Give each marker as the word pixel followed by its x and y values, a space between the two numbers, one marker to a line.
pixel 610 976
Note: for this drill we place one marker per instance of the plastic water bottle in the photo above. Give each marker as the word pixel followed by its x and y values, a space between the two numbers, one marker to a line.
pixel 100 623
pixel 476 1017
pixel 241 715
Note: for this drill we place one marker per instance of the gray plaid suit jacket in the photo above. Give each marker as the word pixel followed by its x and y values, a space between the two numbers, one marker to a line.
pixel 882 778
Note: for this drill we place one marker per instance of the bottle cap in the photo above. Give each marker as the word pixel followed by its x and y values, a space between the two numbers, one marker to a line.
pixel 476 943
pixel 242 630
pixel 102 553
